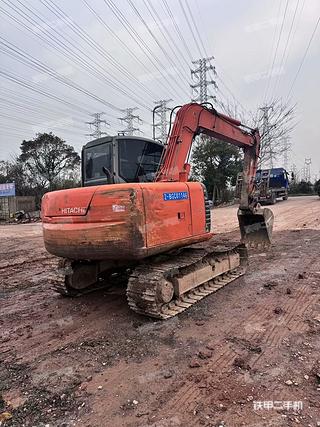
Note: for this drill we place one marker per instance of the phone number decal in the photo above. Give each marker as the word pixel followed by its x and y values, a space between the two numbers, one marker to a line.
pixel 176 195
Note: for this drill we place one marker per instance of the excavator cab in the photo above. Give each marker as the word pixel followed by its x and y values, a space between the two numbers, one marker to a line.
pixel 120 159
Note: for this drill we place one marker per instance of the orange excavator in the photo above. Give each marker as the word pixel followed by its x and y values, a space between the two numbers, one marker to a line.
pixel 157 235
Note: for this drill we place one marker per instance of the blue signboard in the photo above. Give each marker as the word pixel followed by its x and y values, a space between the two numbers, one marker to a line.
pixel 176 195
pixel 8 189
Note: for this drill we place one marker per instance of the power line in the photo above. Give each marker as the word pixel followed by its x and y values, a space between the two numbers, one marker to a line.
pixel 73 50
pixel 94 45
pixel 170 43
pixel 158 21
pixel 214 75
pixel 202 64
pixel 47 126
pixel 19 81
pixel 41 117
pixel 30 29
pixel 276 51
pixel 36 64
pixel 11 105
pixel 190 27
pixel 303 57
pixel 300 14
pixel 164 51
pixel 196 28
pixel 283 58
pixel 115 35
pixel 26 104
pixel 140 42
pixel 13 99
pixel 180 35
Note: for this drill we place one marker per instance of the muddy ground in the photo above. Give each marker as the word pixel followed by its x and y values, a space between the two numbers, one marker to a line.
pixel 92 362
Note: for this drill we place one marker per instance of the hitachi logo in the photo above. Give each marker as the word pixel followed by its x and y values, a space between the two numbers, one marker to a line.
pixel 75 210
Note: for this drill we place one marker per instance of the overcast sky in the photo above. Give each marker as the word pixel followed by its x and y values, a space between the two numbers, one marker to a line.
pixel 83 60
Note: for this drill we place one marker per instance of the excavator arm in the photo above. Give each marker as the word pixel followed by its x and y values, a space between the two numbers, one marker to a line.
pixel 194 119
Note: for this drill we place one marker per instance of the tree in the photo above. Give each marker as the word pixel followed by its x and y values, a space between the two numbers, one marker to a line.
pixel 302 187
pixel 13 171
pixel 216 164
pixel 317 187
pixel 47 160
pixel 4 171
pixel 275 127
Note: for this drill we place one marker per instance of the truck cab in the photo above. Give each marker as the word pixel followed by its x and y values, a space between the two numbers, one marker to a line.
pixel 120 159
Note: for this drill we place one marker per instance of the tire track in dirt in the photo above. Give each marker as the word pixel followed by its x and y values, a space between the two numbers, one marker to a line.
pixel 293 308
pixel 221 363
pixel 296 322
pixel 190 393
pixel 299 304
pixel 303 301
pixel 288 309
pixel 277 333
pixel 226 357
pixel 293 317
pixel 28 261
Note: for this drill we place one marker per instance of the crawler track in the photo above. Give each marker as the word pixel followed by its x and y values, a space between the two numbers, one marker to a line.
pixel 62 283
pixel 149 280
pixel 144 291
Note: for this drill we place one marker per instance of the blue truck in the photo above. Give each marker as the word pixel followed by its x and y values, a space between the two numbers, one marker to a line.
pixel 271 184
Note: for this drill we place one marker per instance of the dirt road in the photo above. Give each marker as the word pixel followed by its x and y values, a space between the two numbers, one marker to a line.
pixel 245 356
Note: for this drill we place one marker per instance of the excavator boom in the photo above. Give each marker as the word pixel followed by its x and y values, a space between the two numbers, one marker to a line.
pixel 194 119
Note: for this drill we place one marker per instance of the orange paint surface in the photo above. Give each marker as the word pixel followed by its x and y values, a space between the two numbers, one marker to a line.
pixel 123 221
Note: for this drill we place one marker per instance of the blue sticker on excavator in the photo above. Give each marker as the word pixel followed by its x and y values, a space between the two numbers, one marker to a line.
pixel 176 195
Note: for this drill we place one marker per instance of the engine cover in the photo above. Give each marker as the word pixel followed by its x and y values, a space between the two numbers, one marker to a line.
pixel 123 221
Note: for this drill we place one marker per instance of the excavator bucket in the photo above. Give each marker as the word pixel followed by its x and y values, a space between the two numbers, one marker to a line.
pixel 256 226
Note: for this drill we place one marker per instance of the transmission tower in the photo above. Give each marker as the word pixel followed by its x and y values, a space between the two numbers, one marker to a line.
pixel 286 149
pixel 307 170
pixel 265 129
pixel 294 173
pixel 201 86
pixel 161 110
pixel 129 119
pixel 96 123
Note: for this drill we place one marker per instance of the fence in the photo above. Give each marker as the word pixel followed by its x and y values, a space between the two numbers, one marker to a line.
pixel 10 205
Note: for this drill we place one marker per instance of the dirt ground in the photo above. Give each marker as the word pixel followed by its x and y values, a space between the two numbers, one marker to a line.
pixel 248 355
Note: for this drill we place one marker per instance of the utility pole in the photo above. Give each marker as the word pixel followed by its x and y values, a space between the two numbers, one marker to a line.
pixel 161 110
pixel 96 123
pixel 265 128
pixel 201 86
pixel 307 170
pixel 129 119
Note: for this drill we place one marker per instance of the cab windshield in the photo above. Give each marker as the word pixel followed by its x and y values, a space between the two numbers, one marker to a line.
pixel 138 160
